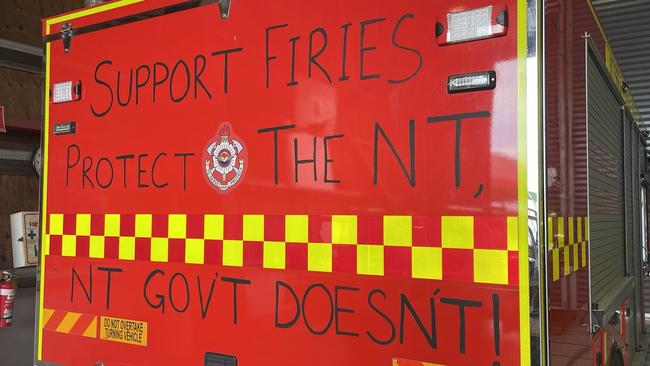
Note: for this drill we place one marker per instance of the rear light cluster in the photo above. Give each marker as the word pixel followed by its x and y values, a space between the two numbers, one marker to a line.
pixel 66 91
pixel 471 25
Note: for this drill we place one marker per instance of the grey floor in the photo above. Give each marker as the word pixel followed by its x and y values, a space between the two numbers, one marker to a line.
pixel 17 341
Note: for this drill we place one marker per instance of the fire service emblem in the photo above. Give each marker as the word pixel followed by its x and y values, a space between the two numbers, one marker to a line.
pixel 225 158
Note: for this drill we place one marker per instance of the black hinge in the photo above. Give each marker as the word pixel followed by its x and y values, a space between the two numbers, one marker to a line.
pixel 66 36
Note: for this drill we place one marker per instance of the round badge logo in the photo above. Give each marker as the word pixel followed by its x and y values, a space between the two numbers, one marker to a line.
pixel 224 158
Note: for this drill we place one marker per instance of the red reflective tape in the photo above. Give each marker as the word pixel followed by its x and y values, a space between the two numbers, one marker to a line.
pixel 55 320
pixel 127 225
pixel 397 261
pixel 233 227
pixel 111 247
pixel 344 258
pixel 213 252
pixel 143 249
pixel 176 251
pixel 83 246
pixel 296 256
pixel 320 229
pixel 457 265
pixel 97 224
pixel 274 228
pixel 490 232
pixel 159 226
pixel 513 268
pixel 82 324
pixel 426 231
pixel 56 242
pixel 370 230
pixel 69 224
pixel 194 228
pixel 253 254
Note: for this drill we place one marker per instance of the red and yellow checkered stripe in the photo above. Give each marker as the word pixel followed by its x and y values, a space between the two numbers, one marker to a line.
pixel 568 239
pixel 70 322
pixel 481 249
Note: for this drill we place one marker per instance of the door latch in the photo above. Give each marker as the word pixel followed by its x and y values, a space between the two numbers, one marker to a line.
pixel 66 36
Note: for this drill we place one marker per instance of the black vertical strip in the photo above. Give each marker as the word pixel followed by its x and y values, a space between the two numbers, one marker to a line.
pixel 497 325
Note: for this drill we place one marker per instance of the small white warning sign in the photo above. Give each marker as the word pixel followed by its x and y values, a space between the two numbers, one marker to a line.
pixel 123 330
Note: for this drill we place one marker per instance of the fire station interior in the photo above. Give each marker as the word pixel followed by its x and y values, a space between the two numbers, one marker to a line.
pixel 626 27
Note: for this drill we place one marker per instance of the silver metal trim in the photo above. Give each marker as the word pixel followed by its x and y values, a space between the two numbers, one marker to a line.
pixel 587 37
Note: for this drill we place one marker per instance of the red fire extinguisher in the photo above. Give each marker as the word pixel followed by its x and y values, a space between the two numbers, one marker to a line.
pixel 7 294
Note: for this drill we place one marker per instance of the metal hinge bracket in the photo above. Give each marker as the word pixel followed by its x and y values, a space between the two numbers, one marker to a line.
pixel 224 6
pixel 66 36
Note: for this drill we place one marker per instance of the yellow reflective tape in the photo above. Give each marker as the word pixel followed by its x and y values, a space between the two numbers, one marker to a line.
pixel 46 245
pixel 82 225
pixel 194 251
pixel 556 263
pixel 513 233
pixel 587 228
pixel 398 231
pixel 253 227
pixel 560 231
pixel 91 331
pixel 319 257
pixel 426 262
pixel 177 226
pixel 370 259
pixel 296 228
pixel 233 253
pixel 570 240
pixel 47 314
pixel 68 322
pixel 56 224
pixel 159 249
pixel 96 249
pixel 575 256
pixel 584 253
pixel 458 232
pixel 274 255
pixel 69 246
pixel 89 11
pixel 491 266
pixel 112 225
pixel 46 149
pixel 344 229
pixel 213 227
pixel 126 248
pixel 143 226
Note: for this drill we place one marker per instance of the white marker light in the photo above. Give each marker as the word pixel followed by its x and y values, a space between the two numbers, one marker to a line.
pixel 66 91
pixel 472 82
pixel 469 25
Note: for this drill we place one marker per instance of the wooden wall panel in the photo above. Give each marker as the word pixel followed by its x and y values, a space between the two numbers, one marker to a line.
pixel 20 20
pixel 20 93
pixel 16 194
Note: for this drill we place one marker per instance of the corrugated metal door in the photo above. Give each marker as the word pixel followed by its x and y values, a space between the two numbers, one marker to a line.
pixel 606 185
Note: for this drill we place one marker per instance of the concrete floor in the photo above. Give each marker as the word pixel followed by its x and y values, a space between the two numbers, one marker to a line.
pixel 17 341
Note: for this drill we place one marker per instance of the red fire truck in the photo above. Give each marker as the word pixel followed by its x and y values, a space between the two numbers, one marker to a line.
pixel 338 183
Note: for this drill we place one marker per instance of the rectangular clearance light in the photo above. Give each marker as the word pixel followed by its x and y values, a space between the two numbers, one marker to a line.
pixel 66 91
pixel 480 23
pixel 485 80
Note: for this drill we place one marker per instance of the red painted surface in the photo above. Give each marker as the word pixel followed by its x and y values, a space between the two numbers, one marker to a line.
pixel 486 189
